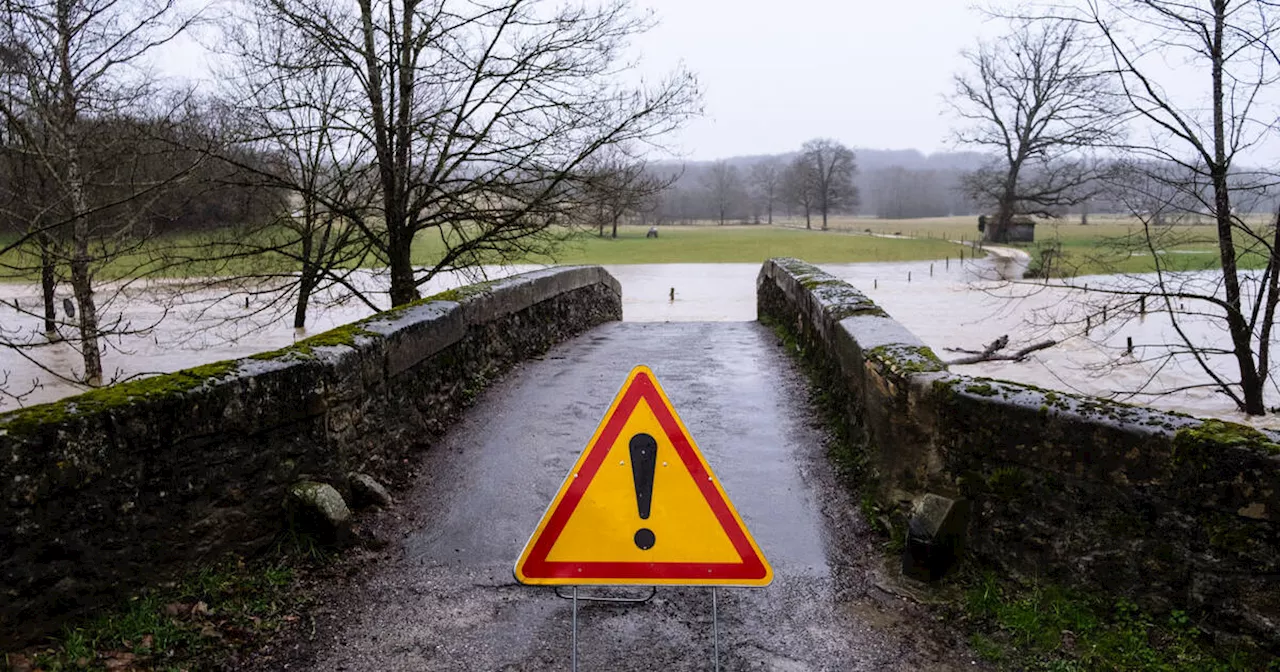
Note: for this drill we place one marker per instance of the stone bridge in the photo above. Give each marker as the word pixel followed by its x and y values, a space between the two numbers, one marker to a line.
pixel 474 404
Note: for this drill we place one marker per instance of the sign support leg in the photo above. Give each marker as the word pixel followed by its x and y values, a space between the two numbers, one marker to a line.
pixel 575 629
pixel 715 626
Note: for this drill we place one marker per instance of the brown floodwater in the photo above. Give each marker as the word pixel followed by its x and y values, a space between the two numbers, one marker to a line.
pixel 948 305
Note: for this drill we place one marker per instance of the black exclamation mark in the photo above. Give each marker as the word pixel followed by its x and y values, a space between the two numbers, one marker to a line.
pixel 644 460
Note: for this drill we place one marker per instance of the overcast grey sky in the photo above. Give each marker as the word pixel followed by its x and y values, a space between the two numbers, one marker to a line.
pixel 870 73
pixel 775 73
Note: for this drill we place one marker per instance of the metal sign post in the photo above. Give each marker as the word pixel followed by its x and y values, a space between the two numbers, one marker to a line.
pixel 653 590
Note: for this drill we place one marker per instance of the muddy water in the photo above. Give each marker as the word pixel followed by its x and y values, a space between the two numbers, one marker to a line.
pixel 947 305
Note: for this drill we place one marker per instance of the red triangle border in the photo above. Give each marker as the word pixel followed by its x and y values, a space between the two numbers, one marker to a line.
pixel 536 566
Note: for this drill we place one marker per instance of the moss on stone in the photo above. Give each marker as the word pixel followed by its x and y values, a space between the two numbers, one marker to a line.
pixel 908 359
pixel 1226 533
pixel 27 420
pixel 983 389
pixel 457 293
pixel 1221 434
pixel 840 299
pixel 305 349
pixel 1007 483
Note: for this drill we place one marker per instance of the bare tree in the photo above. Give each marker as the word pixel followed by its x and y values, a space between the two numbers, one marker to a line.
pixel 832 168
pixel 766 182
pixel 800 185
pixel 616 185
pixel 477 116
pixel 315 171
pixel 1188 165
pixel 723 186
pixel 1036 97
pixel 73 71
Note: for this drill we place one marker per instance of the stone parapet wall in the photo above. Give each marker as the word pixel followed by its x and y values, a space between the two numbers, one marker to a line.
pixel 1170 511
pixel 137 483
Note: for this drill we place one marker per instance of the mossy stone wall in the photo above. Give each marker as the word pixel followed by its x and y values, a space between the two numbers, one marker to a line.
pixel 1164 509
pixel 130 485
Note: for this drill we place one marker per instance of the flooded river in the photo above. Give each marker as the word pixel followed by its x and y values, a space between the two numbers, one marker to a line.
pixel 947 305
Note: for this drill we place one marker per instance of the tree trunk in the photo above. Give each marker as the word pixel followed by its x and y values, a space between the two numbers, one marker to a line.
pixel 824 219
pixel 81 278
pixel 770 213
pixel 808 220
pixel 998 229
pixel 1251 382
pixel 400 254
pixel 82 282
pixel 615 226
pixel 305 287
pixel 48 284
pixel 306 278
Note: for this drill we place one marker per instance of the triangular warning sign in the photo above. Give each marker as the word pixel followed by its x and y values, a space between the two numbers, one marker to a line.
pixel 641 506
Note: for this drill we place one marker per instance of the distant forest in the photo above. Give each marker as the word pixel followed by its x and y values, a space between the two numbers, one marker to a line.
pixel 891 184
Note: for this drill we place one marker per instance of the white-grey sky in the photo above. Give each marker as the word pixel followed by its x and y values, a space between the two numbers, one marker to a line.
pixel 775 73
pixel 870 73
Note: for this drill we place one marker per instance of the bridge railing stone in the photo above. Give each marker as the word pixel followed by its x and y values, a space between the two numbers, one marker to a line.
pixel 134 484
pixel 1162 508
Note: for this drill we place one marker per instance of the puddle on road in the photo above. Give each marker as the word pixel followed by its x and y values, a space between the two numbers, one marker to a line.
pixel 937 301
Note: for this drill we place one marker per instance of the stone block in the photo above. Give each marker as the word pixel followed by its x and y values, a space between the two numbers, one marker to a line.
pixel 935 537
pixel 366 491
pixel 317 509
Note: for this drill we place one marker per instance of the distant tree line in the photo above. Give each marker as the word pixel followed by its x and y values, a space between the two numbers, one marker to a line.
pixel 870 183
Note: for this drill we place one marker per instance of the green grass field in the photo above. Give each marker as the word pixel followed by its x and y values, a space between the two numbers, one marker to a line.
pixel 740 244
pixel 1091 249
pixel 1105 245
pixel 676 244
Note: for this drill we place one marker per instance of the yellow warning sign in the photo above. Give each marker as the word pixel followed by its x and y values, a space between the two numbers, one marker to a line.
pixel 642 506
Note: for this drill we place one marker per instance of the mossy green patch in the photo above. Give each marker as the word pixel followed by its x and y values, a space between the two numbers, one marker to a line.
pixel 1222 434
pixel 458 293
pixel 983 389
pixel 27 420
pixel 1227 532
pixel 907 359
pixel 1007 483
pixel 1200 446
pixel 839 298
pixel 305 349
pixel 347 334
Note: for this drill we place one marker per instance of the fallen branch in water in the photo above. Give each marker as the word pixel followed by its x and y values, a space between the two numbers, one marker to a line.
pixel 991 353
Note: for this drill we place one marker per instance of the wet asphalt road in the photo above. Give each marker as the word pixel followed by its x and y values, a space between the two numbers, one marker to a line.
pixel 447 599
